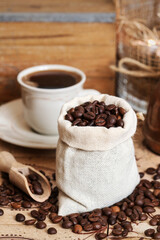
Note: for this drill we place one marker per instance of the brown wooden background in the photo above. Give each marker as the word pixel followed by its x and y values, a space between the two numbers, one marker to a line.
pixel 89 46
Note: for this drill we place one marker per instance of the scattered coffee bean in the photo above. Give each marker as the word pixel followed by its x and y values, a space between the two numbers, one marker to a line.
pixel 77 228
pixel 30 222
pixel 51 230
pixel 26 204
pixel 151 171
pixel 149 232
pixel 20 217
pixel 1 212
pixel 156 235
pixel 153 222
pixel 41 225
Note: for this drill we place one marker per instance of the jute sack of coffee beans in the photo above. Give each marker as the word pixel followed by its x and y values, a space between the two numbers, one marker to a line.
pixel 95 166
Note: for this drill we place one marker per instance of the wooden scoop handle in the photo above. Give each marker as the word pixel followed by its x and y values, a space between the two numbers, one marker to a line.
pixel 7 161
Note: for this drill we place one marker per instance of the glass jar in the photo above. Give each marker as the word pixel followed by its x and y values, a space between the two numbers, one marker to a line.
pixel 138 50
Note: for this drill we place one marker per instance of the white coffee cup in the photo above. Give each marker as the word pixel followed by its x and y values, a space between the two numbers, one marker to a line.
pixel 42 106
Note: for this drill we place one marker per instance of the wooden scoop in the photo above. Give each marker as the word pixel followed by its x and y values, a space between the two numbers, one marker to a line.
pixel 17 175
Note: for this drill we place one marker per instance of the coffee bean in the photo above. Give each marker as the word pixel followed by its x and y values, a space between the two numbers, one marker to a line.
pixel 20 217
pixel 41 217
pixel 149 210
pixel 57 219
pixel 158 228
pixel 149 232
pixel 141 174
pixel 30 222
pixel 16 205
pixel 156 192
pixel 1 212
pixel 77 228
pixel 120 123
pixel 151 171
pixel 96 114
pixel 41 225
pixel 26 204
pixel 33 177
pixel 125 233
pixel 156 235
pixel 112 220
pixel 156 177
pixel 37 188
pixel 96 225
pixel 67 224
pixel 34 213
pixel 116 232
pixel 100 122
pixel 115 209
pixel 100 236
pixel 143 217
pixel 51 230
pixel 74 220
pixel 107 211
pixel 121 110
pixel 93 217
pixel 153 222
pixel 122 216
pixel 88 227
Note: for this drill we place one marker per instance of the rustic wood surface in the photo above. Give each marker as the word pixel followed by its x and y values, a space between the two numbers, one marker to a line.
pixel 56 6
pixel 88 46
pixel 45 159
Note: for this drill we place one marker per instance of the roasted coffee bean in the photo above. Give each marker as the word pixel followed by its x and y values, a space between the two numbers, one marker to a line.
pixel 124 206
pixel 57 219
pixel 37 188
pixel 20 217
pixel 116 232
pixel 122 216
pixel 115 209
pixel 26 204
pixel 120 123
pixel 149 232
pixel 33 177
pixel 156 235
pixel 143 217
pixel 34 213
pixel 100 236
pixel 1 212
pixel 51 230
pixel 76 122
pixel 41 225
pixel 112 220
pixel 16 205
pixel 96 225
pixel 127 225
pixel 128 212
pixel 125 233
pixel 141 174
pixel 96 114
pixel 156 192
pixel 107 211
pixel 93 217
pixel 83 221
pixel 151 171
pixel 100 122
pixel 77 228
pixel 156 177
pixel 74 220
pixel 149 209
pixel 41 217
pixel 69 117
pixel 153 222
pixel 158 228
pixel 30 222
pixel 67 224
pixel 88 227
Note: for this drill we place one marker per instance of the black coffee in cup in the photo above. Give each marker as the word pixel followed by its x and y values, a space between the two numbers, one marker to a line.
pixel 52 79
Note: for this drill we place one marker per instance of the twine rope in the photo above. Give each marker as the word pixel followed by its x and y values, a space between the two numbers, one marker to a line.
pixel 137 30
pixel 146 71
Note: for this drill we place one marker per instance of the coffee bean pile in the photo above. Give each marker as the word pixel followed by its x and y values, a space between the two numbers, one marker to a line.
pixel 34 184
pixel 138 206
pixel 96 114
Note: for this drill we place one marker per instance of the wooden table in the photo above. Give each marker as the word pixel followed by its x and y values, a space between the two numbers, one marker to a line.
pixel 45 160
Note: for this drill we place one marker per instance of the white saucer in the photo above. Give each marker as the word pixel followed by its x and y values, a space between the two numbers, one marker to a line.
pixel 13 128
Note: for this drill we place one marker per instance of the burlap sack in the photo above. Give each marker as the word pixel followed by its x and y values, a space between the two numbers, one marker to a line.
pixel 95 166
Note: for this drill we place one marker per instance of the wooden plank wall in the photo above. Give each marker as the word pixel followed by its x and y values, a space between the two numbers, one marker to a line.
pixel 88 46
